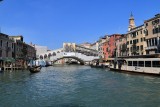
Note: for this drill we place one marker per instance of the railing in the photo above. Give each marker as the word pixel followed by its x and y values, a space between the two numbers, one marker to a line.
pixel 151 47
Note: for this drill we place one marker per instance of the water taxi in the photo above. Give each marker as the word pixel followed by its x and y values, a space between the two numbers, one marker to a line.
pixel 146 64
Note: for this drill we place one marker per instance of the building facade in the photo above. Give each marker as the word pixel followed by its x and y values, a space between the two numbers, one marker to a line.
pixel 136 41
pixel 105 47
pixel 101 41
pixel 94 46
pixel 152 33
pixel 121 45
pixel 6 46
pixel 40 50
pixel 23 52
pixel 112 45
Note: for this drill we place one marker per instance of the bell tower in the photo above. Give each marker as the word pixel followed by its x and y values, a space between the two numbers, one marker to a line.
pixel 131 22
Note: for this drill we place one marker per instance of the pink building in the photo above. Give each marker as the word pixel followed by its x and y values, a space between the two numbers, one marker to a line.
pixel 105 47
pixel 112 45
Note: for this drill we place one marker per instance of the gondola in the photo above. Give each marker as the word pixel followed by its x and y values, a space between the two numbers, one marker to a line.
pixel 35 69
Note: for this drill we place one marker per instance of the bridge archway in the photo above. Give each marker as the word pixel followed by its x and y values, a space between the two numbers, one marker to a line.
pixel 76 58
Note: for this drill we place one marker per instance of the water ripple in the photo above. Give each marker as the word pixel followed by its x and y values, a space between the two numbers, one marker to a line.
pixel 77 86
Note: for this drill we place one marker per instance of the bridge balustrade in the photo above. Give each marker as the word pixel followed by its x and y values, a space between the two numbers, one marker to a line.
pixel 79 54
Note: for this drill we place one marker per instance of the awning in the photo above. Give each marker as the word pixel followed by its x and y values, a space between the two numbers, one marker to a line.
pixel 8 59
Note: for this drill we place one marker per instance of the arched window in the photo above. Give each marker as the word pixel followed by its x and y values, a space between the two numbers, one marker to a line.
pixel 54 54
pixel 45 56
pixel 41 57
pixel 49 55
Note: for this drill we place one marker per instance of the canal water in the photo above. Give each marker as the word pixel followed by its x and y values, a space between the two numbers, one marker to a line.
pixel 78 86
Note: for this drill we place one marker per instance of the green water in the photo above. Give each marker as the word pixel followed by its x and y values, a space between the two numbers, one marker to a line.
pixel 78 86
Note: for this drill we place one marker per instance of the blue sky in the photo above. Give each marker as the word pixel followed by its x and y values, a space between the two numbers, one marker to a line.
pixel 52 22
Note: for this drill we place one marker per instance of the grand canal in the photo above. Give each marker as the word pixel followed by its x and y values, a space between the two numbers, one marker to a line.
pixel 78 86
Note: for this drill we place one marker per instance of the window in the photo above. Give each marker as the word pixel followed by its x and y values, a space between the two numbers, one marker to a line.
pixel 131 42
pixel 129 63
pixel 134 41
pixel 7 44
pixel 155 22
pixel 146 32
pixel 137 48
pixel 6 53
pixel 141 31
pixel 137 40
pixel 144 39
pixel 147 63
pixel 149 42
pixel 141 63
pixel 152 41
pixel 134 63
pixel 156 30
pixel 141 39
pixel 12 45
pixel 155 41
pixel 106 49
pixel 134 34
pixel 137 33
pixel 1 43
pixel 156 63
pixel 146 24
pixel 131 49
pixel 153 31
pixel 141 47
pixel 0 53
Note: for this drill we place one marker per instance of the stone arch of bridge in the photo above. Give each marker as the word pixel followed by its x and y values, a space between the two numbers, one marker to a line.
pixel 73 57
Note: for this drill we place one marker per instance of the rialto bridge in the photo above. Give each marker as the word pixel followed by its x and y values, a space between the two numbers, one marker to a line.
pixel 70 50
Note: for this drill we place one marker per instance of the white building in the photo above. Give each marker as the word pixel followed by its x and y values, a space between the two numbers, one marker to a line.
pixel 40 50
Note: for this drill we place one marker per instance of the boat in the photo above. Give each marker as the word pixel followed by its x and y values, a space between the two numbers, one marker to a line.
pixel 138 64
pixel 98 66
pixel 35 69
pixel 34 66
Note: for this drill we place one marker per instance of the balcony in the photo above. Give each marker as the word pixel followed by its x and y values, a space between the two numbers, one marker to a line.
pixel 151 48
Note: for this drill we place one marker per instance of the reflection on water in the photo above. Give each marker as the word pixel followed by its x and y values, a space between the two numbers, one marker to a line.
pixel 77 86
